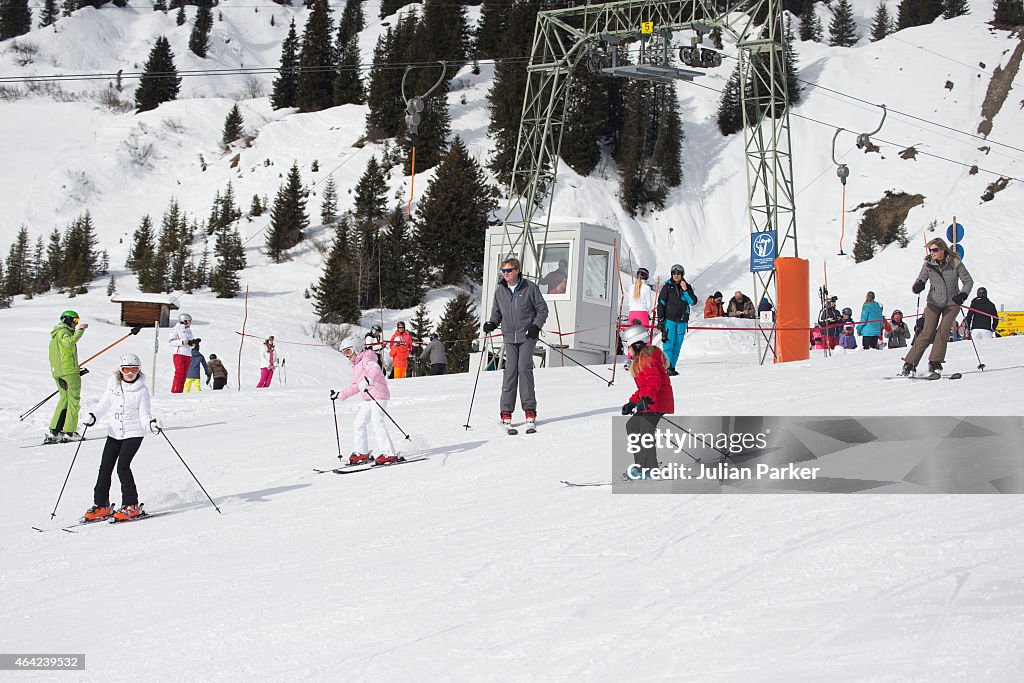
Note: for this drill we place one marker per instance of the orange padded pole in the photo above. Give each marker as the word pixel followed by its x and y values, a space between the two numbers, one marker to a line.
pixel 793 309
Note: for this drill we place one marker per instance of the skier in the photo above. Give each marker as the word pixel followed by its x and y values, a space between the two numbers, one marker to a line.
pixel 653 396
pixel 519 308
pixel 830 321
pixel 374 342
pixel 982 326
pixel 192 376
pixel 674 303
pixel 181 339
pixel 900 333
pixel 127 399
pixel 268 359
pixel 871 318
pixel 401 344
pixel 847 340
pixel 713 307
pixel 68 376
pixel 218 372
pixel 434 353
pixel 943 271
pixel 369 381
pixel 641 305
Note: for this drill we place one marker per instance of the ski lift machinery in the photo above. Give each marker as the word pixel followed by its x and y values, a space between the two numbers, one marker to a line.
pixel 595 32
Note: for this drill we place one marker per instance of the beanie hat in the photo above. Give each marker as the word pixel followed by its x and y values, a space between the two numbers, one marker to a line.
pixel 717 295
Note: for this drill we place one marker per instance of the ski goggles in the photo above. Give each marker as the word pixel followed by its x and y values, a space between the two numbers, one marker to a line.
pixel 130 369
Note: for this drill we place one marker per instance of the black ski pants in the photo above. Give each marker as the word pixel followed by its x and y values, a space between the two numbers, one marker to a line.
pixel 437 368
pixel 219 382
pixel 117 452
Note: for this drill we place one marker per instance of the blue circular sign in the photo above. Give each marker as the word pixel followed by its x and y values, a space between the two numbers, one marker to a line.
pixel 960 251
pixel 951 237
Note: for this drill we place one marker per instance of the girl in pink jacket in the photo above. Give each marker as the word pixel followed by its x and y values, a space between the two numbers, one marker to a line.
pixel 369 382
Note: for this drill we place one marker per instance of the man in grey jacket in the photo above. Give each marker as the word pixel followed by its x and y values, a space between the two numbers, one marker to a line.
pixel 520 310
pixel 950 286
pixel 434 354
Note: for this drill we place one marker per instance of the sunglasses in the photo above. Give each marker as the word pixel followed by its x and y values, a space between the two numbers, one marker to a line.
pixel 508 270
pixel 934 250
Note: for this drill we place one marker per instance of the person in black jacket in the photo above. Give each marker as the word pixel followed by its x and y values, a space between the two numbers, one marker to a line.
pixel 831 323
pixel 674 303
pixel 982 319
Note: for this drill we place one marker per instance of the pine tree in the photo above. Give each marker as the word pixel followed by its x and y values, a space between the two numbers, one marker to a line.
pixel 348 84
pixel 882 24
pixel 389 7
pixel 842 30
pixel 385 114
pixel 180 17
pixel 458 322
pixel 40 280
pixel 453 217
pixel 730 119
pixel 224 281
pixel 420 325
pixel 955 8
pixel 19 270
pixel 442 34
pixel 401 278
pixel 288 215
pixel 159 82
pixel 1008 13
pixel 160 6
pixel 80 257
pixel 793 88
pixel 15 18
pixel 229 211
pixel 329 202
pixel 229 250
pixel 316 84
pixel 286 85
pixel 371 193
pixel 5 300
pixel 918 12
pixel 586 120
pixel 142 257
pixel 199 39
pixel 649 159
pixel 491 28
pixel 256 206
pixel 368 216
pixel 112 286
pixel 810 24
pixel 868 234
pixel 234 126
pixel 54 259
pixel 203 269
pixel 50 13
pixel 336 293
pixel 352 21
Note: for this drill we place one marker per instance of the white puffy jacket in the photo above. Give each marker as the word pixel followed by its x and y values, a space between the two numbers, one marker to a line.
pixel 128 403
pixel 179 340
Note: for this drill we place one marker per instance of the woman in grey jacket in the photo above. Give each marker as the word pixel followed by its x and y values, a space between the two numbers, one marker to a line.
pixel 950 284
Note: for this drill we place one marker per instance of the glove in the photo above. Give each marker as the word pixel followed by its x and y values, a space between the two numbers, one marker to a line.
pixel 366 383
pixel 664 336
pixel 207 381
pixel 194 341
pixel 334 395
pixel 489 327
pixel 83 371
pixel 959 298
pixel 644 404
pixel 136 329
pixel 627 408
pixel 91 421
pixel 918 287
pixel 62 384
pixel 532 332
pixel 154 426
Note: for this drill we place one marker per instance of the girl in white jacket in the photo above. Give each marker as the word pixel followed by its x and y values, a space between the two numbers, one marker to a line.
pixel 127 399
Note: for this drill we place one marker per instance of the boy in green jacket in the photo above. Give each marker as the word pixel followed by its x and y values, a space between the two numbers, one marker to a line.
pixel 66 373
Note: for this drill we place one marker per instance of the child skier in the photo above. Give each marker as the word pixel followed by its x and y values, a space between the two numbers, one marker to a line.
pixel 653 396
pixel 847 340
pixel 900 333
pixel 368 380
pixel 127 398
pixel 192 376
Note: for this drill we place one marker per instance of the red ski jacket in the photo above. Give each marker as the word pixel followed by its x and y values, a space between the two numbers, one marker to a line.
pixel 652 381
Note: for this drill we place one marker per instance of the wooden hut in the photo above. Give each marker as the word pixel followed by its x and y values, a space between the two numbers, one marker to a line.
pixel 145 309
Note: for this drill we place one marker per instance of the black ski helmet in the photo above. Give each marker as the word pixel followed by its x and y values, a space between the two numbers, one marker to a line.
pixel 676 268
pixel 848 311
pixel 982 292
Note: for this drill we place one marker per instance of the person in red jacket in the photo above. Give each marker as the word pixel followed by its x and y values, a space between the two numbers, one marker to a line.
pixel 653 396
pixel 401 344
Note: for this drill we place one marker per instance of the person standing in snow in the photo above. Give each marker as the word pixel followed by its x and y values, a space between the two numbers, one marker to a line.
pixel 400 344
pixel 268 360
pixel 830 321
pixel 982 319
pixel 192 376
pixel 374 341
pixel 433 353
pixel 68 376
pixel 521 311
pixel 218 373
pixel 181 339
pixel 847 340
pixel 641 305
pixel 127 399
pixel 871 319
pixel 653 396
pixel 674 303
pixel 368 381
pixel 899 335
pixel 950 285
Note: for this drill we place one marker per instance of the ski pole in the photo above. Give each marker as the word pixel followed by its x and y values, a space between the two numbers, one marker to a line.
pixel 135 330
pixel 54 513
pixel 337 434
pixel 578 363
pixel 161 432
pixel 981 366
pixel 483 352
pixel 367 390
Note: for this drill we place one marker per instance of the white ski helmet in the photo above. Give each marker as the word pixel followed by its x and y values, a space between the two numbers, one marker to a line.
pixel 130 360
pixel 352 342
pixel 184 318
pixel 633 334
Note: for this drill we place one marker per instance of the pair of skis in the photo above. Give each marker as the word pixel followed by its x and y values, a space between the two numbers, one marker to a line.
pixel 531 428
pixel 67 528
pixel 930 377
pixel 366 466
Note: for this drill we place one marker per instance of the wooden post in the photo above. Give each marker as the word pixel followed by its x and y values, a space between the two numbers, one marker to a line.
pixel 245 319
pixel 156 348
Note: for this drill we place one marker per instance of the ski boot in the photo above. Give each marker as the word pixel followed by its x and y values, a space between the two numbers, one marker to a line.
pixel 359 459
pixel 908 370
pixel 386 460
pixel 531 421
pixel 52 436
pixel 506 422
pixel 129 512
pixel 934 370
pixel 98 512
pixel 67 437
pixel 671 372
